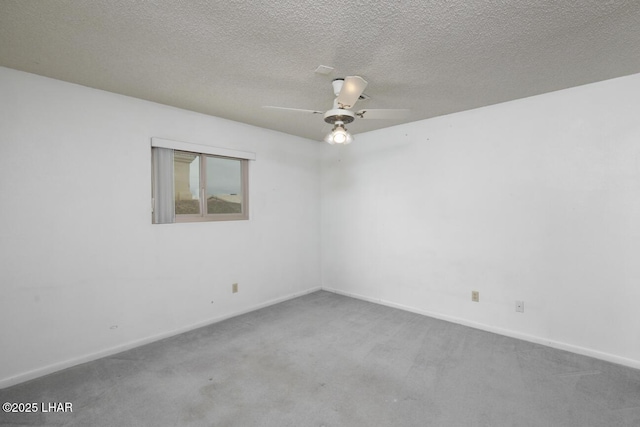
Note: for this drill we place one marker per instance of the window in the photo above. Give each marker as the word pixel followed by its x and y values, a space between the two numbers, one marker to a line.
pixel 209 184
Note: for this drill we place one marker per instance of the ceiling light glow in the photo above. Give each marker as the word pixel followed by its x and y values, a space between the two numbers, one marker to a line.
pixel 338 135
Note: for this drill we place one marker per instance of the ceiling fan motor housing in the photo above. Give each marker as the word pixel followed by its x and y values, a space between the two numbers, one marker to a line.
pixel 337 86
pixel 339 115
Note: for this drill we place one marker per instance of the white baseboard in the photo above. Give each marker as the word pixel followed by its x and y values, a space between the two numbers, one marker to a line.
pixel 58 366
pixel 631 363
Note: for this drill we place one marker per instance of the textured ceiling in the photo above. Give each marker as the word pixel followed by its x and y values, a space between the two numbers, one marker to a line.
pixel 230 58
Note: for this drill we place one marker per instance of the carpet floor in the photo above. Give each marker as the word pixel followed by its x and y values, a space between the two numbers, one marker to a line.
pixel 330 360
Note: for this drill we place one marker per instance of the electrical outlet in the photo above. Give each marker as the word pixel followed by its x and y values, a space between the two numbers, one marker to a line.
pixel 234 288
pixel 475 296
pixel 520 306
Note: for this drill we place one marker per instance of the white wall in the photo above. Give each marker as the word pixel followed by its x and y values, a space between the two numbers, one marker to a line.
pixel 535 200
pixel 83 271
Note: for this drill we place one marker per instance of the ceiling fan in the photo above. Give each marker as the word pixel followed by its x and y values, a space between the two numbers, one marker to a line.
pixel 348 91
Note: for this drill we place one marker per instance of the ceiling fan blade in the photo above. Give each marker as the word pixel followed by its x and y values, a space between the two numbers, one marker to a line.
pixel 297 110
pixel 352 88
pixel 389 114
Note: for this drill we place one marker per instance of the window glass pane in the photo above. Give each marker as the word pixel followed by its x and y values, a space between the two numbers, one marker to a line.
pixel 186 172
pixel 224 185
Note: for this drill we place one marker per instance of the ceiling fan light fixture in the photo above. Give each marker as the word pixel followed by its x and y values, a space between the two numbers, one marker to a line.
pixel 347 91
pixel 338 135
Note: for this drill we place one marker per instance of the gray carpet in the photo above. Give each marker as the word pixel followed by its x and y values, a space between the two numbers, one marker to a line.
pixel 328 360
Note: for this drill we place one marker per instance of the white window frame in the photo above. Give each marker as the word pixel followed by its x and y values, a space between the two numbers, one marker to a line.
pixel 205 151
